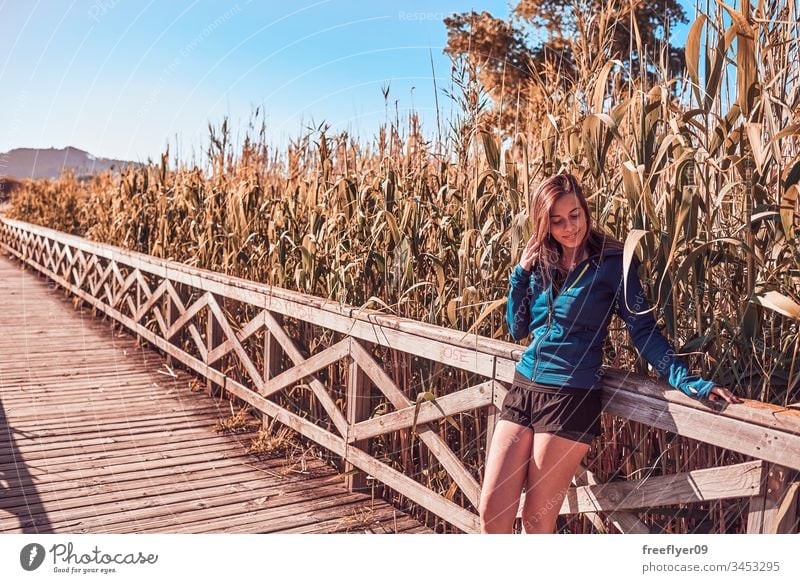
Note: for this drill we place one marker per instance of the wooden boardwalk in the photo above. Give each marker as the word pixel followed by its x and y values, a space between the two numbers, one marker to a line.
pixel 98 435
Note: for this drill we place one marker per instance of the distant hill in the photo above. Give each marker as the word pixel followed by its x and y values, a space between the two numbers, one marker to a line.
pixel 49 162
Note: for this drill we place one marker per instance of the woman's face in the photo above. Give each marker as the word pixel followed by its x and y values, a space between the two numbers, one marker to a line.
pixel 568 221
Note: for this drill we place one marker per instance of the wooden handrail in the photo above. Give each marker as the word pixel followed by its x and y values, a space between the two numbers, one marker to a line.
pixel 114 281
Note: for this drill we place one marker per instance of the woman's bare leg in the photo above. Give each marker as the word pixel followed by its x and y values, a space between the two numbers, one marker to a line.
pixel 506 470
pixel 553 464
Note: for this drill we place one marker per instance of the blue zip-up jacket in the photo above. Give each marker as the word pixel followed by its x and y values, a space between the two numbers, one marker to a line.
pixel 569 328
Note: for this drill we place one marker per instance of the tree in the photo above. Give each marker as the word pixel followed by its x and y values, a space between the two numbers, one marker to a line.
pixel 577 35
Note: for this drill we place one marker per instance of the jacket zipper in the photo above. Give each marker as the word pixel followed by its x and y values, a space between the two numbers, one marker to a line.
pixel 577 279
pixel 537 348
pixel 550 302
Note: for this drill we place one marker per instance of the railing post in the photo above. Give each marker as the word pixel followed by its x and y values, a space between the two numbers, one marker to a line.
pixel 213 338
pixel 775 511
pixel 138 304
pixel 358 409
pixel 492 414
pixel 169 317
pixel 272 357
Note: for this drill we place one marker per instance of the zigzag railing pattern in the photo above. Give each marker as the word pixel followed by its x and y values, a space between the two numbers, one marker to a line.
pixel 182 311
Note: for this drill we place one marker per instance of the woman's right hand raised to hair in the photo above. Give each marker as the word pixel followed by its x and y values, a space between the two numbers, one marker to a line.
pixel 526 261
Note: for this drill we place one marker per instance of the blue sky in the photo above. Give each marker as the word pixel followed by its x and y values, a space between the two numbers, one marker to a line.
pixel 122 78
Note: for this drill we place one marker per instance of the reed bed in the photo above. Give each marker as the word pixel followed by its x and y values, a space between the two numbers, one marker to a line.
pixel 699 169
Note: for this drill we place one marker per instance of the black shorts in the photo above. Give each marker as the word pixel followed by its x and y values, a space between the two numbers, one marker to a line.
pixel 563 411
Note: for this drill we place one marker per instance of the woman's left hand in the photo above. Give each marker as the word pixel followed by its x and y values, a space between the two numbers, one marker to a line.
pixel 721 393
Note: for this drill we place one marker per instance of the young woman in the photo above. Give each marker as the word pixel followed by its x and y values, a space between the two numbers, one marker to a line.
pixel 564 292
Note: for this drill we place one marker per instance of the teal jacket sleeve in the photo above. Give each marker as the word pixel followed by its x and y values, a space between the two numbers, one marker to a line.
pixel 518 307
pixel 650 342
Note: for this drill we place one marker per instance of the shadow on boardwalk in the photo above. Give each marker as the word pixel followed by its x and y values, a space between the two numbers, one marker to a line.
pixel 18 493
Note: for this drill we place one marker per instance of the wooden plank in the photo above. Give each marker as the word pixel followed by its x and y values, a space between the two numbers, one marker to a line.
pixel 356 518
pixel 268 520
pixel 108 449
pixel 147 514
pixel 446 405
pixel 584 477
pixel 389 337
pixel 625 522
pixel 774 511
pixel 358 409
pixel 152 298
pixel 760 442
pixel 214 336
pixel 163 505
pixel 766 415
pixel 308 367
pixel 94 484
pixel 243 334
pixel 33 428
pixel 185 316
pixel 736 481
pixel 82 410
pixel 449 511
pixel 94 464
pixel 272 351
pixel 117 437
pixel 101 406
pixel 76 496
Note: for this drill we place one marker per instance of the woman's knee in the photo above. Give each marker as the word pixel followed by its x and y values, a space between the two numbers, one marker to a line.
pixel 539 516
pixel 492 502
pixel 495 514
pixel 538 523
pixel 498 508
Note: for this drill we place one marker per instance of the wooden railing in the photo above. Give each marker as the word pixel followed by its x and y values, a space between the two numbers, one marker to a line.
pixel 163 300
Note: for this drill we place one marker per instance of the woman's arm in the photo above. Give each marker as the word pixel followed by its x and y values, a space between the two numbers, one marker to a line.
pixel 518 307
pixel 651 344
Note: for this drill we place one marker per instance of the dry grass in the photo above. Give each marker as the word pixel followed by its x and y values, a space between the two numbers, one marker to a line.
pixel 242 421
pixel 275 442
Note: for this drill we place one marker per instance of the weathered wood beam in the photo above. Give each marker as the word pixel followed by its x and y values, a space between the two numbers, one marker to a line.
pixel 458 402
pixel 710 426
pixel 736 481
pixel 625 522
pixel 774 511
